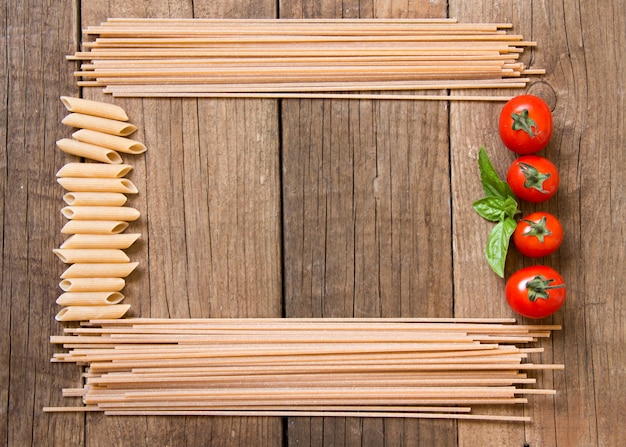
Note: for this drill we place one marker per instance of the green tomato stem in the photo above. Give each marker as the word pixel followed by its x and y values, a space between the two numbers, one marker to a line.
pixel 533 178
pixel 538 229
pixel 539 286
pixel 522 121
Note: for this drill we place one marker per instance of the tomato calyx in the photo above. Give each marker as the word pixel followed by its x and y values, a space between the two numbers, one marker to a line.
pixel 539 286
pixel 533 178
pixel 523 121
pixel 537 229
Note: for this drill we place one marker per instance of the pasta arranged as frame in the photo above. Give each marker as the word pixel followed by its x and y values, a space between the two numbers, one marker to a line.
pixel 353 367
pixel 96 211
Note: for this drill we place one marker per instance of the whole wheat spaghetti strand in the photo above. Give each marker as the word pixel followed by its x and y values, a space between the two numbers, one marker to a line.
pixel 148 93
pixel 285 86
pixel 297 61
pixel 487 325
pixel 285 413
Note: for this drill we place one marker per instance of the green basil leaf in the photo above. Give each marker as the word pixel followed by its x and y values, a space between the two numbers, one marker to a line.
pixel 509 207
pixel 498 244
pixel 492 184
pixel 490 208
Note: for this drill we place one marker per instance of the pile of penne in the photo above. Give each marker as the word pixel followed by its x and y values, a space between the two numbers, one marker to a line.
pixel 97 216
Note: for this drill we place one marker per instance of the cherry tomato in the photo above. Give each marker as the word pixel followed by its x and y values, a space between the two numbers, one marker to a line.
pixel 535 292
pixel 525 124
pixel 533 178
pixel 538 234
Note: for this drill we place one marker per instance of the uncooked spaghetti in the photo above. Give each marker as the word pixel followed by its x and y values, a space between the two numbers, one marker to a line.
pixel 287 58
pixel 419 368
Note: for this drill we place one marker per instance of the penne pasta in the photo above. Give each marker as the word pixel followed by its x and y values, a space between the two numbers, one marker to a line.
pixel 92 284
pixel 100 270
pixel 95 108
pixel 84 313
pixel 124 213
pixel 77 184
pixel 89 298
pixel 94 227
pixel 119 241
pixel 119 144
pixel 90 151
pixel 94 170
pixel 91 255
pixel 94 198
pixel 105 125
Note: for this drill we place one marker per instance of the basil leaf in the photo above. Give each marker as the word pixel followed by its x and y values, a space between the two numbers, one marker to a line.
pixel 509 207
pixel 490 208
pixel 498 244
pixel 492 184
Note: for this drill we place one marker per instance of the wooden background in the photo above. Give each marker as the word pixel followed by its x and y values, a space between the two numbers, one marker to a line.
pixel 320 208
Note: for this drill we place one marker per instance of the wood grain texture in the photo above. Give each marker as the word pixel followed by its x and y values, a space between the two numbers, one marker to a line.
pixel 319 208
pixel 478 291
pixel 35 38
pixel 209 197
pixel 366 219
pixel 586 140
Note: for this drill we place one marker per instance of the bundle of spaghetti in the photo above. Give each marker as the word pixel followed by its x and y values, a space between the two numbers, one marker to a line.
pixel 419 368
pixel 311 58
pixel 97 216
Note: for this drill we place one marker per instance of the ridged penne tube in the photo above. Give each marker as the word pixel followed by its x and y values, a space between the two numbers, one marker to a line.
pixel 77 184
pixel 91 255
pixel 119 144
pixel 94 227
pixel 95 108
pixel 124 213
pixel 120 241
pixel 94 199
pixel 106 270
pixel 94 170
pixel 84 313
pixel 92 284
pixel 90 151
pixel 89 298
pixel 105 125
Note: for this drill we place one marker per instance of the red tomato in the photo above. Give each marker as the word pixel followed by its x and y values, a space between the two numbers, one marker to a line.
pixel 533 178
pixel 525 124
pixel 538 234
pixel 535 292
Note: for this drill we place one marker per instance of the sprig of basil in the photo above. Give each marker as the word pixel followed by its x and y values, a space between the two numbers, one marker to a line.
pixel 498 205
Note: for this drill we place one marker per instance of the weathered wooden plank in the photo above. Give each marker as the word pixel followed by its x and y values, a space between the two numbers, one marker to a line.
pixel 569 47
pixel 5 304
pixel 589 81
pixel 479 291
pixel 366 220
pixel 209 197
pixel 35 38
